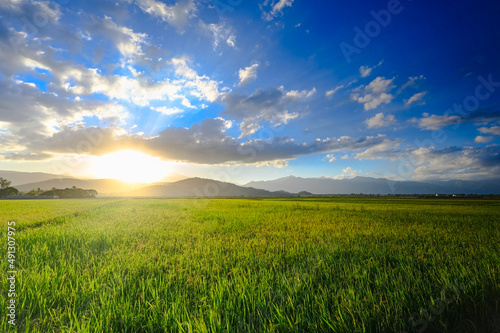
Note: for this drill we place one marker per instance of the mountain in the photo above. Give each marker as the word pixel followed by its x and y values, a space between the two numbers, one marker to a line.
pixel 199 187
pixel 102 186
pixel 19 178
pixel 368 185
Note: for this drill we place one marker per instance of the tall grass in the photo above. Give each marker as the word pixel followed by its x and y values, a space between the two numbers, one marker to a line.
pixel 237 265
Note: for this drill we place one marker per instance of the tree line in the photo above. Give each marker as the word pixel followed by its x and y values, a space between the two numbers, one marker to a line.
pixel 74 192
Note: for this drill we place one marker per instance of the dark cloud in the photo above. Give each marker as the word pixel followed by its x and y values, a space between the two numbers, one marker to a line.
pixel 204 143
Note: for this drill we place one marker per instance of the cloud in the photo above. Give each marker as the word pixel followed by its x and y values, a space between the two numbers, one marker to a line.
pixel 428 163
pixel 26 156
pixel 124 39
pixel 412 82
pixel 203 143
pixel 276 8
pixel 331 92
pixel 248 74
pixel 374 94
pixel 167 111
pixel 271 105
pixel 330 158
pixel 222 34
pixel 483 139
pixel 279 164
pixel 416 98
pixel 176 15
pixel 387 149
pixel 366 71
pixel 380 120
pixel 28 112
pixel 495 130
pixel 455 163
pixel 434 122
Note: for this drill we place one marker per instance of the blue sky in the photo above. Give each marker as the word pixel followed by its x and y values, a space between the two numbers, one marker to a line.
pixel 244 90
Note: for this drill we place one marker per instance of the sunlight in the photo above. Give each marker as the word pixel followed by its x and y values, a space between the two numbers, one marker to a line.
pixel 130 166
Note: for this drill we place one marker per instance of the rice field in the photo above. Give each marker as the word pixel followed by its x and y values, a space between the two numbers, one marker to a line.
pixel 248 265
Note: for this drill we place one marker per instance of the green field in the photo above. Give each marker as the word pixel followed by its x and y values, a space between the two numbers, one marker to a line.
pixel 242 265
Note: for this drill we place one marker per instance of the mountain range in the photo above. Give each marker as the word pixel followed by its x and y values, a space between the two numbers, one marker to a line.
pixel 180 186
pixel 368 185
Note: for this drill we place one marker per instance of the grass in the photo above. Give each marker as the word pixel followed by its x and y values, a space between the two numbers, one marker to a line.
pixel 241 265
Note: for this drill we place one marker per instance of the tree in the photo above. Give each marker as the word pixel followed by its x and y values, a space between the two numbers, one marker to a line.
pixel 4 183
pixel 4 192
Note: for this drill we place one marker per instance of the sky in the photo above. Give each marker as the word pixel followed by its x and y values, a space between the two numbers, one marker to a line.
pixel 240 90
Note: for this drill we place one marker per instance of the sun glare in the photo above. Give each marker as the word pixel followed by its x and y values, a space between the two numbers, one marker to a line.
pixel 130 166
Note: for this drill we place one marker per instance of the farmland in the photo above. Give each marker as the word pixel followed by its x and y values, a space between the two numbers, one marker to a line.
pixel 245 265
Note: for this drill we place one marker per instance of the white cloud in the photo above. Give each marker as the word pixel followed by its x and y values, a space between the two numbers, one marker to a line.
pixel 412 82
pixel 374 94
pixel 388 149
pixel 495 130
pixel 483 139
pixel 167 111
pixel 276 8
pixel 380 120
pixel 366 71
pixel 221 34
pixel 201 86
pixel 278 164
pixel 176 15
pixel 248 74
pixel 125 39
pixel 455 162
pixel 331 92
pixel 330 158
pixel 348 172
pixel 416 98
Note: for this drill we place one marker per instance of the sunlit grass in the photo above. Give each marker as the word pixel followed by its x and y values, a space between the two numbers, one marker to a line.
pixel 237 265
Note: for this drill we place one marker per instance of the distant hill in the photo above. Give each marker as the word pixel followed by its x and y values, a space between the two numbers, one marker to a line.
pixel 368 185
pixel 199 187
pixel 179 186
pixel 102 186
pixel 20 178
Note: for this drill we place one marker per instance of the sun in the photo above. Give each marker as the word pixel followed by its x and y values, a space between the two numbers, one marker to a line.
pixel 130 166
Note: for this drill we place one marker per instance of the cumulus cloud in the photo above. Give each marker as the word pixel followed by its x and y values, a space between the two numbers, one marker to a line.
pixel 380 120
pixel 374 94
pixel 248 74
pixel 276 8
pixel 177 15
pixel 271 105
pixel 416 99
